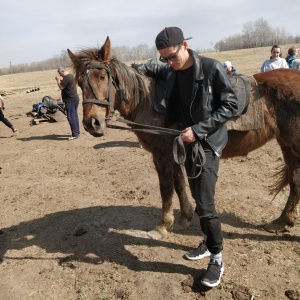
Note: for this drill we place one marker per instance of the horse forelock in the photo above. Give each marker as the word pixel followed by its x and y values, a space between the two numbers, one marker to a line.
pixel 85 58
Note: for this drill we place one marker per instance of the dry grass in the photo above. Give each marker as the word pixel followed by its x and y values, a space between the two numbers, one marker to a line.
pixel 27 80
pixel 246 61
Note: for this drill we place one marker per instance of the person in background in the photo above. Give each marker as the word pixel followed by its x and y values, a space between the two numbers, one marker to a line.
pixel 275 61
pixel 2 118
pixel 199 101
pixel 70 97
pixel 291 59
pixel 230 70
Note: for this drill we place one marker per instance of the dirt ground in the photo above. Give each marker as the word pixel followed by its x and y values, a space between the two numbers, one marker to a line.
pixel 74 217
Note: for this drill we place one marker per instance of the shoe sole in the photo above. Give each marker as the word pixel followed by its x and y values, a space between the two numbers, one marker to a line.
pixel 216 283
pixel 206 254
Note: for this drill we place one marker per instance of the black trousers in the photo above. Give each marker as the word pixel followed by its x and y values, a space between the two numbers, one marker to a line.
pixel 203 191
pixel 72 116
pixel 4 120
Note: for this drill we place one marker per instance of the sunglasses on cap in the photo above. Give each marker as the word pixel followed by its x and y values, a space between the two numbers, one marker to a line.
pixel 171 57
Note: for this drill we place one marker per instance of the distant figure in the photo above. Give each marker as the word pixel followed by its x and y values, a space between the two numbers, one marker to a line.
pixel 292 53
pixel 70 97
pixel 291 59
pixel 3 119
pixel 275 61
pixel 230 70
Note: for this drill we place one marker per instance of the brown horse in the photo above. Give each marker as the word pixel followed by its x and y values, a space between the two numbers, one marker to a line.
pixel 109 84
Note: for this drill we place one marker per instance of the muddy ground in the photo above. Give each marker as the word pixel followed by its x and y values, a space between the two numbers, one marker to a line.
pixel 74 217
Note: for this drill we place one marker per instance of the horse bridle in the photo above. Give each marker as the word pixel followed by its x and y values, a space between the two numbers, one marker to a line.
pixel 111 82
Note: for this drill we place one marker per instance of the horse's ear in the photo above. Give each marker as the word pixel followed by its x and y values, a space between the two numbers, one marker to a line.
pixel 71 54
pixel 104 52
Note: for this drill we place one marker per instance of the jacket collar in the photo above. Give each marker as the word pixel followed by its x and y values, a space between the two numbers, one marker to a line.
pixel 198 70
pixel 197 67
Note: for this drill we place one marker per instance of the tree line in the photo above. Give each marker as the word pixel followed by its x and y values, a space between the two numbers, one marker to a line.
pixel 257 34
pixel 254 34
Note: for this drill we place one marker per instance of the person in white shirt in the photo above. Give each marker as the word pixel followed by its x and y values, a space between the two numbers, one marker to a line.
pixel 275 61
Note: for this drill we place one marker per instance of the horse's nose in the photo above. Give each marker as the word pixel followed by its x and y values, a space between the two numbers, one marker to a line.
pixel 94 127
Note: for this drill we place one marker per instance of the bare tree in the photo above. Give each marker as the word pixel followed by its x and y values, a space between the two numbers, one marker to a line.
pixel 248 35
pixel 256 34
pixel 263 33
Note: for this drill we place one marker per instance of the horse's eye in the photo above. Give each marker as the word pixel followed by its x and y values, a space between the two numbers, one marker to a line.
pixel 102 77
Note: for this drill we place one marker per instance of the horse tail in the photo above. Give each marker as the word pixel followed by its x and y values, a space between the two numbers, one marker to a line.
pixel 282 180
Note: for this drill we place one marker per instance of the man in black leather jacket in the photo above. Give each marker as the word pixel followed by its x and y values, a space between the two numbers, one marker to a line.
pixel 199 100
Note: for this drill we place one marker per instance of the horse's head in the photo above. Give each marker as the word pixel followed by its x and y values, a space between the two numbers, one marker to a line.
pixel 106 85
pixel 98 86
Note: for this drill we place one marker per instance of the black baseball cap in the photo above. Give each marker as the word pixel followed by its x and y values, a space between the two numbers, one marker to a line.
pixel 168 37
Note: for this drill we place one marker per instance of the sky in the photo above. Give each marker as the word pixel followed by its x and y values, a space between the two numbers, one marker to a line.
pixel 37 30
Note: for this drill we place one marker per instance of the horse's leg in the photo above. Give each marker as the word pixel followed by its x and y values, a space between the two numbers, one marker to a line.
pixel 290 175
pixel 186 209
pixel 164 168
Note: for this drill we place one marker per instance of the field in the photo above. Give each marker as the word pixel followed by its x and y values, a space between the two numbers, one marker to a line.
pixel 74 214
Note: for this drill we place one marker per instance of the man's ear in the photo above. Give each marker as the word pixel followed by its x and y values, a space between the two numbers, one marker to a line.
pixel 185 45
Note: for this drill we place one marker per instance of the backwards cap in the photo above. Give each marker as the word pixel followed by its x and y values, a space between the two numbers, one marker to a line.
pixel 168 37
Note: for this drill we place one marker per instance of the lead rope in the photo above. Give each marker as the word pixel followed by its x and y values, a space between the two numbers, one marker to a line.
pixel 198 156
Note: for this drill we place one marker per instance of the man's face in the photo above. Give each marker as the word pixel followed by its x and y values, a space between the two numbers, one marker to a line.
pixel 174 56
pixel 61 73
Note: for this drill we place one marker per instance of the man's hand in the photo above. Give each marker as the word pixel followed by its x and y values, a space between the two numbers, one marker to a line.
pixel 57 77
pixel 188 135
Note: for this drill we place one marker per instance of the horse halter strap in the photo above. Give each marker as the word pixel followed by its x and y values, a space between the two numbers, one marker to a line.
pixel 110 83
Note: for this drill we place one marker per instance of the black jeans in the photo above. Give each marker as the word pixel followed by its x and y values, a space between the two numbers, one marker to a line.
pixel 203 191
pixel 4 120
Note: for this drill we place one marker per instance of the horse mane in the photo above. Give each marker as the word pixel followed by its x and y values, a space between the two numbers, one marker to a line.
pixel 135 86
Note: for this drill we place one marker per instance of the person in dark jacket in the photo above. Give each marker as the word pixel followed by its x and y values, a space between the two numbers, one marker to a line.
pixel 66 83
pixel 199 100
pixel 2 118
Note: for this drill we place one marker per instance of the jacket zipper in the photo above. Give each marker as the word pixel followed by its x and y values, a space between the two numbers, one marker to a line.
pixel 210 144
pixel 209 93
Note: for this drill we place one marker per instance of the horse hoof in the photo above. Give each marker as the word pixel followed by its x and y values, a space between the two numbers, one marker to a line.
pixel 182 225
pixel 155 235
pixel 275 227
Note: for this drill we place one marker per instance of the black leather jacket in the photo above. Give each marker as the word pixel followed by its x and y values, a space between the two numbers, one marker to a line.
pixel 213 100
